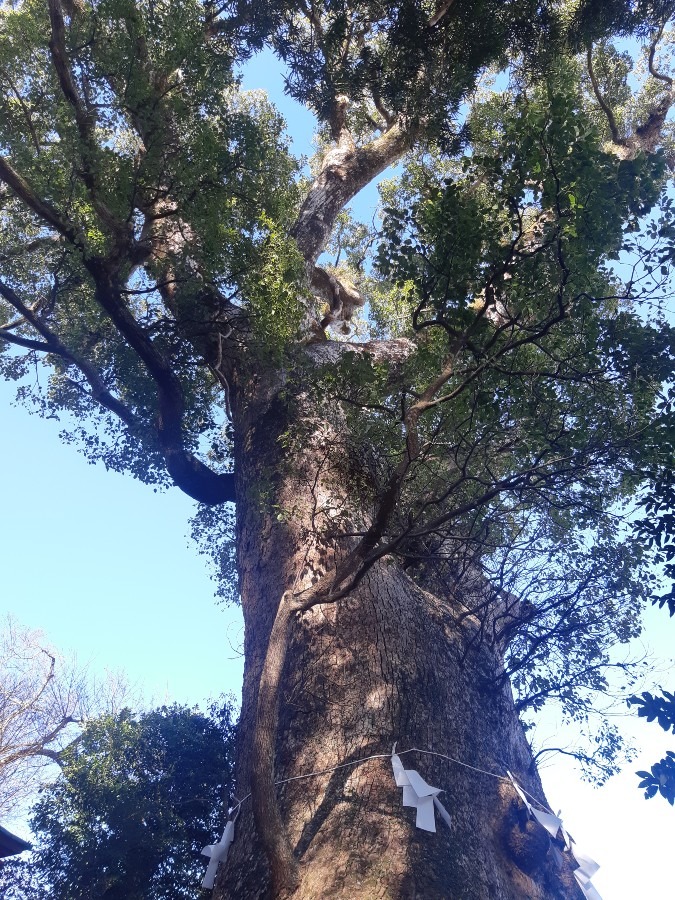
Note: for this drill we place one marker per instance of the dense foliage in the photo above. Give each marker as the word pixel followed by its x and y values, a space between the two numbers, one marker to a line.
pixel 170 133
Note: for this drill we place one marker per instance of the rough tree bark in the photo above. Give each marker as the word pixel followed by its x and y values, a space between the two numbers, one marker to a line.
pixel 387 663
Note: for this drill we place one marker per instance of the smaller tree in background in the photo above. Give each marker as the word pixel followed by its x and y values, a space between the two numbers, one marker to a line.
pixel 45 699
pixel 137 799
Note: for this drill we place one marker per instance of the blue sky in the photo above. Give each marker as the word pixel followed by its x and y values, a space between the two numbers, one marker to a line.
pixel 105 567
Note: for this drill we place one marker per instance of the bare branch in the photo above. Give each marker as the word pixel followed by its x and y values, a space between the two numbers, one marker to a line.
pixel 42 700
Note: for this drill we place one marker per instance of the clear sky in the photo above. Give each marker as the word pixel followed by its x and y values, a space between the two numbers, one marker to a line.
pixel 105 566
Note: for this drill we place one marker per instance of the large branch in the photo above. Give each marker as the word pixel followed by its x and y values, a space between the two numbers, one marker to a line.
pixel 392 351
pixel 28 343
pixel 167 237
pixel 44 210
pixel 650 60
pixel 646 136
pixel 52 344
pixel 344 171
pixel 189 473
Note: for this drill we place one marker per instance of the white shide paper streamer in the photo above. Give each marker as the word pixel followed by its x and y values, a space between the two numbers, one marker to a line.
pixel 418 794
pixel 587 888
pixel 217 853
pixel 553 824
pixel 424 798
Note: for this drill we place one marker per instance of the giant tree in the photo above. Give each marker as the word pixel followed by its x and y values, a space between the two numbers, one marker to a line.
pixel 430 504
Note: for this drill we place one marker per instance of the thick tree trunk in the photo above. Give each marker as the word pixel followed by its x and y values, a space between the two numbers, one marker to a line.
pixel 385 664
